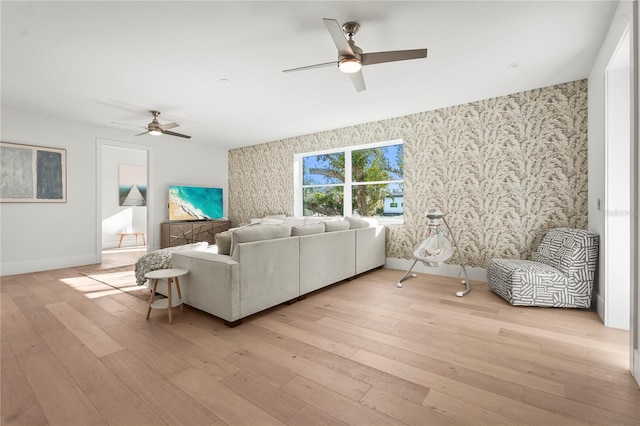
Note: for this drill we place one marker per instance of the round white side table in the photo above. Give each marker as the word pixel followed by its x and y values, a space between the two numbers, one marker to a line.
pixel 170 275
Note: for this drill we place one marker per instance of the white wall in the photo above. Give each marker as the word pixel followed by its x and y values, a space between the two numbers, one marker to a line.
pixel 42 236
pixel 116 218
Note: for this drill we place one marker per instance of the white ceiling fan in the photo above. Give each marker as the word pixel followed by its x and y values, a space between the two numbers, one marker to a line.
pixel 351 58
pixel 155 128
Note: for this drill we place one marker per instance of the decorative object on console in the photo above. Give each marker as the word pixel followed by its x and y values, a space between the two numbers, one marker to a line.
pixel 32 174
pixel 436 248
pixel 561 274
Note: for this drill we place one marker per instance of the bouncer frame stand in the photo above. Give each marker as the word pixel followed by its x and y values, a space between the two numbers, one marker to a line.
pixel 433 226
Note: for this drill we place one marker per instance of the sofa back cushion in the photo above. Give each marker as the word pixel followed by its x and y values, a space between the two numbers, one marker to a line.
pixel 312 228
pixel 259 233
pixel 336 225
pixel 356 223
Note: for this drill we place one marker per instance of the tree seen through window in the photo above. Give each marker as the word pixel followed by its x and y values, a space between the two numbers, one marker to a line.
pixel 375 175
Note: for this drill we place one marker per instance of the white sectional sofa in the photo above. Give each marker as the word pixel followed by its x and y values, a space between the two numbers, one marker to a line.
pixel 271 264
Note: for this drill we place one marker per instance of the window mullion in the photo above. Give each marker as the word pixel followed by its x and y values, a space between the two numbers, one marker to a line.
pixel 348 208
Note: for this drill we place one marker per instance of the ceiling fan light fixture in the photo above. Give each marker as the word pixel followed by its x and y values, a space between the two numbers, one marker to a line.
pixel 155 132
pixel 349 65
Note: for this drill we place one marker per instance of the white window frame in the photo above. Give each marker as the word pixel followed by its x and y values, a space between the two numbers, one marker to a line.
pixel 298 172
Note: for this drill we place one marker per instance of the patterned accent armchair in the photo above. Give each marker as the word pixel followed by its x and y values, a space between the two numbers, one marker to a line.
pixel 561 275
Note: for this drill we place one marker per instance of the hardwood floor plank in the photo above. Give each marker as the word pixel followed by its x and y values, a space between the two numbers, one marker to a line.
pixel 311 416
pixel 19 405
pixel 119 406
pixel 464 412
pixel 166 400
pixel 82 364
pixel 281 405
pixel 40 318
pixel 580 411
pixel 272 372
pixel 208 362
pixel 227 405
pixel 407 412
pixel 392 384
pixel 98 342
pixel 433 380
pixel 628 407
pixel 16 328
pixel 157 353
pixel 206 339
pixel 467 369
pixel 338 406
pixel 120 313
pixel 302 336
pixel 62 401
pixel 44 293
pixel 249 338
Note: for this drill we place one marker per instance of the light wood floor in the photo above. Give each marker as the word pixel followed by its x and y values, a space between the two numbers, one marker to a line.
pixel 77 352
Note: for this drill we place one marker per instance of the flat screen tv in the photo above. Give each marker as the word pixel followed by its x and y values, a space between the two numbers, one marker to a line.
pixel 195 202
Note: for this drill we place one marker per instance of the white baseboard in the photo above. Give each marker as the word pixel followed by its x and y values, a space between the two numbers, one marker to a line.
pixel 636 366
pixel 600 307
pixel 14 268
pixel 479 274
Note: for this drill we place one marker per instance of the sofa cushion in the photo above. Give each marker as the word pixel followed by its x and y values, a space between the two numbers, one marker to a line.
pixel 312 228
pixel 291 220
pixel 223 241
pixel 276 216
pixel 271 221
pixel 268 220
pixel 318 219
pixel 355 223
pixel 258 233
pixel 336 225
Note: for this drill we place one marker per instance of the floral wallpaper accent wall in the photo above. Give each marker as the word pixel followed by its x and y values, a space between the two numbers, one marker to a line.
pixel 503 170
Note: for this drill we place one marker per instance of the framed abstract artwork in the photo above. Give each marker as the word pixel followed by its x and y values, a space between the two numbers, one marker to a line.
pixel 32 174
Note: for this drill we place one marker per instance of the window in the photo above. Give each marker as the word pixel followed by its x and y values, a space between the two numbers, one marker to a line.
pixel 364 180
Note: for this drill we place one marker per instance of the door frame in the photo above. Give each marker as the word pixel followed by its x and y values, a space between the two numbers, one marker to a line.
pixel 100 144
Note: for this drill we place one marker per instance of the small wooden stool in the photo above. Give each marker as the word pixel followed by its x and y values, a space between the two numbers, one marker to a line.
pixel 170 275
pixel 135 234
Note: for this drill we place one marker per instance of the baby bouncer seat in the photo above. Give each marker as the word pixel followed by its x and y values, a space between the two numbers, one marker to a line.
pixel 436 249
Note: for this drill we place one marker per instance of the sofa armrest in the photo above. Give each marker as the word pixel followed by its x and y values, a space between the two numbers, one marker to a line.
pixel 370 248
pixel 212 284
pixel 269 273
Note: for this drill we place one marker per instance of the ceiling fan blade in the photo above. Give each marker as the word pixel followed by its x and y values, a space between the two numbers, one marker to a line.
pixel 392 56
pixel 357 79
pixel 131 125
pixel 168 126
pixel 310 67
pixel 338 37
pixel 143 133
pixel 166 132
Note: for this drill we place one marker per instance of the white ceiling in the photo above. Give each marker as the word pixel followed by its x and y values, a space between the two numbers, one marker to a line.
pixel 216 67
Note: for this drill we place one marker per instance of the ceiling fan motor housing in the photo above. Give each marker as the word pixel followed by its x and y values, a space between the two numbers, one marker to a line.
pixel 351 63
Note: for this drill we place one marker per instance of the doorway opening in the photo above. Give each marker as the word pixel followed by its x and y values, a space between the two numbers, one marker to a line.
pixel 123 203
